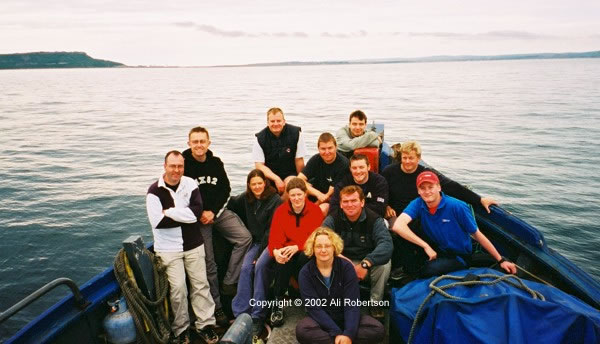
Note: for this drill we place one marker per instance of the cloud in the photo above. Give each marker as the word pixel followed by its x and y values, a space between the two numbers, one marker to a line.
pixel 218 32
pixel 185 24
pixel 213 30
pixel 210 29
pixel 437 34
pixel 287 34
pixel 361 33
pixel 514 35
pixel 506 34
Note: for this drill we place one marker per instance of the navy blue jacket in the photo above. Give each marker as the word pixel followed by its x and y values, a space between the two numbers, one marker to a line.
pixel 334 315
pixel 375 190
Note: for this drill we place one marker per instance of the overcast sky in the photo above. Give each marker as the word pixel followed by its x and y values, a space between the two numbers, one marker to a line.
pixel 200 33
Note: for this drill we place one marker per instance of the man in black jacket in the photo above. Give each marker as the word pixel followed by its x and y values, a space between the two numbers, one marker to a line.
pixel 209 173
pixel 373 185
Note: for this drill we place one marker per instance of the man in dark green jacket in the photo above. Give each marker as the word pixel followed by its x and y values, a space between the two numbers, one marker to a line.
pixel 367 241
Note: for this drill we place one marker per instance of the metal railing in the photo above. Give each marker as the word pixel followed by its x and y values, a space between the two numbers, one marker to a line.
pixel 80 301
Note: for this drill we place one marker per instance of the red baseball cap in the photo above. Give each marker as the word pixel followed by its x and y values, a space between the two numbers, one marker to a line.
pixel 427 176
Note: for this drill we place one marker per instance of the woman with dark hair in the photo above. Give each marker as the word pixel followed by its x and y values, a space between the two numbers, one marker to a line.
pixel 292 223
pixel 329 286
pixel 255 207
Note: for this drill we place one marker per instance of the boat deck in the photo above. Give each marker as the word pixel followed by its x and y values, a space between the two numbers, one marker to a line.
pixel 286 334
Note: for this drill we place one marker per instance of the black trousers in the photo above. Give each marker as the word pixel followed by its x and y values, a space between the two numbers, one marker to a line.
pixel 283 272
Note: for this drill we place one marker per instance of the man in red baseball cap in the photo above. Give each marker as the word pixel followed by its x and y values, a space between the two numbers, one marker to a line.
pixel 448 225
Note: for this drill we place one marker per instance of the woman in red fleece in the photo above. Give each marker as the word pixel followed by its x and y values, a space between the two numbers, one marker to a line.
pixel 292 223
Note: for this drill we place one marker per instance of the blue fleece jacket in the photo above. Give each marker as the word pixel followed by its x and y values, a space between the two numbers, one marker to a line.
pixel 330 307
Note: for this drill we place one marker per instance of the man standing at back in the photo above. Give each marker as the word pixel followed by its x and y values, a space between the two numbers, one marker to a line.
pixel 208 171
pixel 324 170
pixel 354 136
pixel 279 149
pixel 174 206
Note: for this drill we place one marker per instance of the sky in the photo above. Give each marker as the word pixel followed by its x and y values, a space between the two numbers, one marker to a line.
pixel 205 33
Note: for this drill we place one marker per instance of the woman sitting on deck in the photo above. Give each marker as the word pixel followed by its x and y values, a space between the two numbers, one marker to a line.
pixel 292 223
pixel 329 286
pixel 255 207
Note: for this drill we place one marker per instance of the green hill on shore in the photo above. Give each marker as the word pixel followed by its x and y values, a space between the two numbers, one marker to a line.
pixel 53 60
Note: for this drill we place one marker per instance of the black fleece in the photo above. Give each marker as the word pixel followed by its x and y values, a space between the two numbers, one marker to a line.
pixel 211 178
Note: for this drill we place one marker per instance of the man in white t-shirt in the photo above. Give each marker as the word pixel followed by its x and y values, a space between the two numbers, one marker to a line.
pixel 279 149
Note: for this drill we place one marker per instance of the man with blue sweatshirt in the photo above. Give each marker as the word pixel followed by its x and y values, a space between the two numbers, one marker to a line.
pixel 448 226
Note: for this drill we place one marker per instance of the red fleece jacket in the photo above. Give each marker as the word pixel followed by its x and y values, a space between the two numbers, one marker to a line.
pixel 284 230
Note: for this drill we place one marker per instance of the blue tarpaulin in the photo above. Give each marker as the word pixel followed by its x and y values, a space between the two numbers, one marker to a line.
pixel 498 313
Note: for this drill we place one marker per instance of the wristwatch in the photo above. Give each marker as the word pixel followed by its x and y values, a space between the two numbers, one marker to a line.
pixel 365 265
pixel 502 260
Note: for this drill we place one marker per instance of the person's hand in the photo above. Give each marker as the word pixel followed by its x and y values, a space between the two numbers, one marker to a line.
pixel 279 258
pixel 430 253
pixel 280 185
pixel 289 251
pixel 509 267
pixel 389 212
pixel 341 339
pixel 486 202
pixel 361 272
pixel 321 198
pixel 207 217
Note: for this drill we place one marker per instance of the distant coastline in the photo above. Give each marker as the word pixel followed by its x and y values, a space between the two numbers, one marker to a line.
pixel 39 60
pixel 440 58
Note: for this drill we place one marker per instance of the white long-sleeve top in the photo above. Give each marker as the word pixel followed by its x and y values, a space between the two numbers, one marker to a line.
pixel 178 229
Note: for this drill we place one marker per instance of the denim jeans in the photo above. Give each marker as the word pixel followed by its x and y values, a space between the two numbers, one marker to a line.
pixel 240 332
pixel 241 302
pixel 257 289
pixel 441 266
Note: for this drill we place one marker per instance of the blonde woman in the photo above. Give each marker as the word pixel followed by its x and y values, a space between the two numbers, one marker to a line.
pixel 329 290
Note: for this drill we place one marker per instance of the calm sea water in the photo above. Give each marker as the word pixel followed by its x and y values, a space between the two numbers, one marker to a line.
pixel 78 148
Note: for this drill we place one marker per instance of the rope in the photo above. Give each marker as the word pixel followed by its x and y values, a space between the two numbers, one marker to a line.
pixel 495 280
pixel 539 279
pixel 151 320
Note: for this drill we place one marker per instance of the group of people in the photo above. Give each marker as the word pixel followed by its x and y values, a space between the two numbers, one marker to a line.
pixel 329 224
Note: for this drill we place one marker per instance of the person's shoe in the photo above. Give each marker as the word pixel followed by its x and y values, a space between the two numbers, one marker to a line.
pixel 183 338
pixel 257 326
pixel 221 318
pixel 276 319
pixel 257 340
pixel 208 335
pixel 377 313
pixel 397 274
pixel 229 289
